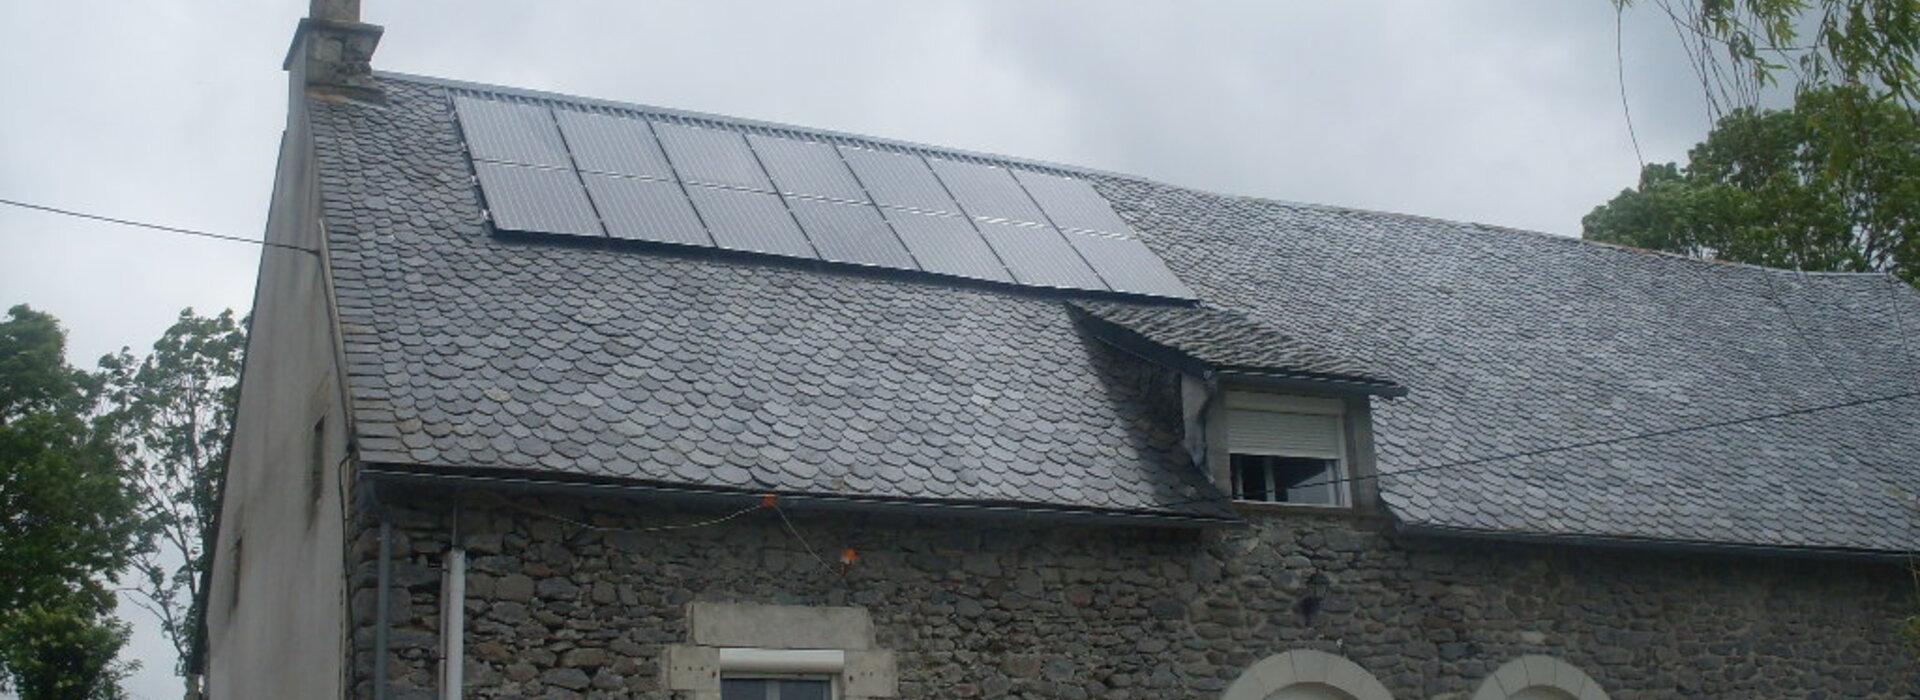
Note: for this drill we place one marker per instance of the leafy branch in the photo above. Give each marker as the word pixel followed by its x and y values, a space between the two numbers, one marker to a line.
pixel 172 413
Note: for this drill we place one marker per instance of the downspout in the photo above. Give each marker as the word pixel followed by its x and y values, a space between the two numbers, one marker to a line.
pixel 454 625
pixel 453 616
pixel 381 603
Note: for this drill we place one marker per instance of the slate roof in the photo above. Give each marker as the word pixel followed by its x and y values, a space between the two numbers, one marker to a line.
pixel 470 351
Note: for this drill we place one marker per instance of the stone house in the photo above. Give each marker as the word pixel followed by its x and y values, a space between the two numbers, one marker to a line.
pixel 583 399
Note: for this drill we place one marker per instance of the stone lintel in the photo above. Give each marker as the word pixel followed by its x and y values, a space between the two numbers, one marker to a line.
pixel 779 626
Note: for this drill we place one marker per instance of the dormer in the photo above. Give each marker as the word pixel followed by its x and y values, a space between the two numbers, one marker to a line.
pixel 1272 421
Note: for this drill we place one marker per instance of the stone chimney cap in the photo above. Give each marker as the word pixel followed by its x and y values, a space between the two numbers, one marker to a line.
pixel 332 50
pixel 336 10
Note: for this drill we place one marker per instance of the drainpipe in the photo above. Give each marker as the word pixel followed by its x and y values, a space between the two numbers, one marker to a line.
pixel 381 603
pixel 453 616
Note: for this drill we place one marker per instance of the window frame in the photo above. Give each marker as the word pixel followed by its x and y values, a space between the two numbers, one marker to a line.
pixel 831 679
pixel 1351 457
pixel 745 640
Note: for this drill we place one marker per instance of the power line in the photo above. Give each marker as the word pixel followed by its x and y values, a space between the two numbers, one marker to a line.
pixel 156 227
pixel 1620 76
pixel 1834 376
pixel 1590 443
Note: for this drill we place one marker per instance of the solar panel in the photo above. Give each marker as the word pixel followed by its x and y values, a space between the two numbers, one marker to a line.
pixel 712 157
pixel 899 180
pixel 575 172
pixel 617 145
pixel 947 244
pixel 750 221
pixel 1072 204
pixel 850 233
pixel 986 192
pixel 1037 255
pixel 1128 265
pixel 645 210
pixel 536 199
pixel 806 168
pixel 510 132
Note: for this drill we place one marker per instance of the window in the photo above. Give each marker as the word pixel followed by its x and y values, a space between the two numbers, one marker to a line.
pixel 233 581
pixel 1286 449
pixel 316 466
pixel 751 651
pixel 776 688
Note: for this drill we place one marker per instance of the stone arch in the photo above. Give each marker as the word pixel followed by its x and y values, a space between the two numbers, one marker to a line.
pixel 1536 677
pixel 1306 674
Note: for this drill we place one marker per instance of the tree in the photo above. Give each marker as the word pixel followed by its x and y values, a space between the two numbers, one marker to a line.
pixel 68 520
pixel 172 415
pixel 64 651
pixel 1786 188
pixel 1738 48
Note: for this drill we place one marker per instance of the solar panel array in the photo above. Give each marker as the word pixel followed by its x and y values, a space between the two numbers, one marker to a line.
pixel 568 172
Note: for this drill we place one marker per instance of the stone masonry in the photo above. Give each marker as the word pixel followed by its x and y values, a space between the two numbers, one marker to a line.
pixel 1025 609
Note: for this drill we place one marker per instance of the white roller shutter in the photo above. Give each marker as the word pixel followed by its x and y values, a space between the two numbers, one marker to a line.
pixel 1288 434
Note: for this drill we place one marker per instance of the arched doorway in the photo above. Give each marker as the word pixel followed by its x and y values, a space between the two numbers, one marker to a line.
pixel 1535 677
pixel 1539 692
pixel 1310 691
pixel 1306 674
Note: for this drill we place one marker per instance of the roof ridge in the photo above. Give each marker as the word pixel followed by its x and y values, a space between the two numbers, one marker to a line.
pixel 1511 230
pixel 825 134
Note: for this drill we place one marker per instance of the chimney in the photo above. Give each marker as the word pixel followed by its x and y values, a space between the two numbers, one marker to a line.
pixel 332 51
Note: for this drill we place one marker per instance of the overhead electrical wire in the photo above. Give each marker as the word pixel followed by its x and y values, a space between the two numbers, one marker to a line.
pixel 1342 480
pixel 1588 443
pixel 156 227
pixel 1886 482
pixel 1620 75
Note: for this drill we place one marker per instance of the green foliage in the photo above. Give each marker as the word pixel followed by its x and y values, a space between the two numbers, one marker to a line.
pixel 63 651
pixel 1832 184
pixel 1738 47
pixel 172 414
pixel 1910 628
pixel 68 518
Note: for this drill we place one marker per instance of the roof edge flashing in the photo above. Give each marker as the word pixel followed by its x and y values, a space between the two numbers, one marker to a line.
pixel 1289 381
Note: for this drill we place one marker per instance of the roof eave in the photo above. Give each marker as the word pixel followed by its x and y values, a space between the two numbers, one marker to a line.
pixel 512 480
pixel 1649 544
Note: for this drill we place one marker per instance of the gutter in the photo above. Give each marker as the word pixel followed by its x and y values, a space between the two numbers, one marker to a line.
pixel 445 477
pixel 1649 544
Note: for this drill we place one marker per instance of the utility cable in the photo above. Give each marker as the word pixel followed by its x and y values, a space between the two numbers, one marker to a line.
pixel 1620 75
pixel 156 227
pixel 782 512
pixel 1589 443
pixel 763 504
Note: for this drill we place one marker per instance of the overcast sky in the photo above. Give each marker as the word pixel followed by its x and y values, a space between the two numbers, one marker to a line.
pixel 1496 111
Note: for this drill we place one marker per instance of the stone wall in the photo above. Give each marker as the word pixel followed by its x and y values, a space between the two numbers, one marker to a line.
pixel 999 609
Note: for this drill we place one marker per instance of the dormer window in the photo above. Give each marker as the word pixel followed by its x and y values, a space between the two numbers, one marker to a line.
pixel 1287 449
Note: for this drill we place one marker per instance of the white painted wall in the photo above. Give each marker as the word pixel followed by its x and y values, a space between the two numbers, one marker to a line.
pixel 275 625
